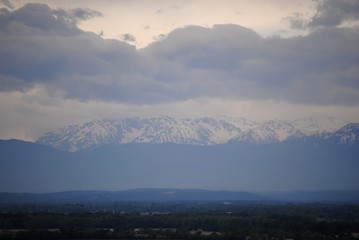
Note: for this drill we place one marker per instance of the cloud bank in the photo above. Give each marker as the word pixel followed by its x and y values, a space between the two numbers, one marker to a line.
pixel 42 46
pixel 329 13
pixel 8 4
pixel 334 13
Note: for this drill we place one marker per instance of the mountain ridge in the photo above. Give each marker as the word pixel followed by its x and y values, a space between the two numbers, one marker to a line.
pixel 133 195
pixel 175 194
pixel 309 162
pixel 197 131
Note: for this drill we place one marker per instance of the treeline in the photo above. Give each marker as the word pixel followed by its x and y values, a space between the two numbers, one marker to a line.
pixel 244 221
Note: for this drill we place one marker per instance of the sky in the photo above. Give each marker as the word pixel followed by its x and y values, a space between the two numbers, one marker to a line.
pixel 68 62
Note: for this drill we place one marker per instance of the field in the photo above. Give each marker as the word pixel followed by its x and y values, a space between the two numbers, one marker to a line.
pixel 180 220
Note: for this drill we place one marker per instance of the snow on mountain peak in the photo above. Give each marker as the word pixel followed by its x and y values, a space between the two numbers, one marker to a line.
pixel 311 125
pixel 349 134
pixel 166 129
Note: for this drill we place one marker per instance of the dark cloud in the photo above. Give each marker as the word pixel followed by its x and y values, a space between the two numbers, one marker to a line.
pixel 328 13
pixel 334 12
pixel 38 47
pixel 159 37
pixel 4 11
pixel 226 61
pixel 32 19
pixel 74 16
pixel 128 37
pixel 8 4
pixel 234 62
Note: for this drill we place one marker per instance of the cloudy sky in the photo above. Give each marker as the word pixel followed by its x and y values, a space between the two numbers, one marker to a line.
pixel 68 62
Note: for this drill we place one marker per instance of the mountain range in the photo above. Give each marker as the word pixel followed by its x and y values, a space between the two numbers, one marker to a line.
pixel 176 195
pixel 323 161
pixel 199 131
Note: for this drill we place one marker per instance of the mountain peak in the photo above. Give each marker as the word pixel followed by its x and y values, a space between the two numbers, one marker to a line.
pixel 198 131
pixel 315 125
pixel 349 134
pixel 349 127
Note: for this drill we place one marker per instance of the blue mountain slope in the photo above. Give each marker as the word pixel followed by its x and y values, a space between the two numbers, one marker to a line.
pixel 308 163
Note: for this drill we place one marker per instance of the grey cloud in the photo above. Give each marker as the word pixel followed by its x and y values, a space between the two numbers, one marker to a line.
pixel 4 11
pixel 328 13
pixel 10 83
pixel 193 44
pixel 8 4
pixel 234 62
pixel 33 19
pixel 296 21
pixel 74 16
pixel 159 37
pixel 226 61
pixel 334 12
pixel 37 47
pixel 128 37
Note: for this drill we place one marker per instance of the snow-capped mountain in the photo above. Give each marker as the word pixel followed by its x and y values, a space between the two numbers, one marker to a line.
pixel 311 125
pixel 349 134
pixel 199 131
pixel 269 132
pixel 240 122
